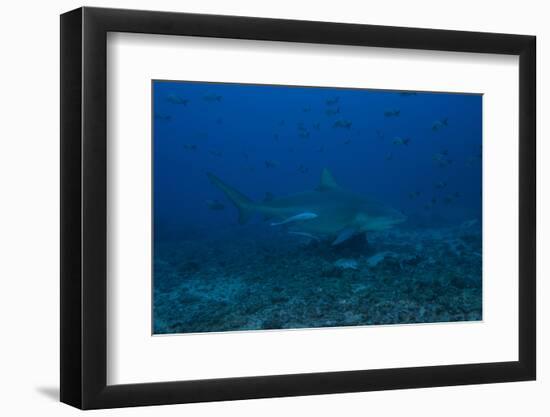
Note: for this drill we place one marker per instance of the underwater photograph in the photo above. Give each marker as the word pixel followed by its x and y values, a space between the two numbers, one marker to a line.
pixel 294 207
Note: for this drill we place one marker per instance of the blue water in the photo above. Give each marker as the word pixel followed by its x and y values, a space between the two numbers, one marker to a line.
pixel 419 153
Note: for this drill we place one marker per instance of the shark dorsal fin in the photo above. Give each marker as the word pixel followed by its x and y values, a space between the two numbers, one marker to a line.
pixel 327 181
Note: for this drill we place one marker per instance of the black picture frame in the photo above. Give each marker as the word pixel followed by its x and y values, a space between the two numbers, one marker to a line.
pixel 84 207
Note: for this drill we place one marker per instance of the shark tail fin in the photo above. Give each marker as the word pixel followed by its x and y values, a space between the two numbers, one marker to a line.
pixel 243 203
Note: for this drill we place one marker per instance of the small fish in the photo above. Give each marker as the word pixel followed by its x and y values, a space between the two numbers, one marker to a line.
pixel 439 124
pixel 431 204
pixel 317 126
pixel 379 134
pixel 346 124
pixel 414 194
pixel 407 93
pixel 347 141
pixel 440 185
pixel 276 137
pixel 175 99
pixel 281 122
pixel 448 199
pixel 300 126
pixel 332 112
pixel 163 117
pixel 303 169
pixel 332 101
pixel 401 141
pixel 271 164
pixel 321 149
pixel 304 134
pixel 211 97
pixel 392 113
pixel 215 152
pixel 306 109
pixel 388 156
pixel 214 205
pixel 190 147
pixel 297 218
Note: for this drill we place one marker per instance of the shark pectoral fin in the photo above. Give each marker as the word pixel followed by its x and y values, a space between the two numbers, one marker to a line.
pixel 344 235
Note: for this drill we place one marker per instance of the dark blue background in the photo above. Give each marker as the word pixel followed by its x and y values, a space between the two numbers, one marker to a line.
pixel 242 127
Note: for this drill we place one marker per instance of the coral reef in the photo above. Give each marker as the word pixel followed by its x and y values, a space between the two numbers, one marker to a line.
pixel 241 280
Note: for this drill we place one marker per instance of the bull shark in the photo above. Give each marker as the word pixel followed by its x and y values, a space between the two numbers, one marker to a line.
pixel 327 211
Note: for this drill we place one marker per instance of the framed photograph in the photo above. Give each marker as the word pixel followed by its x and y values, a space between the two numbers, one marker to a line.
pixel 257 208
